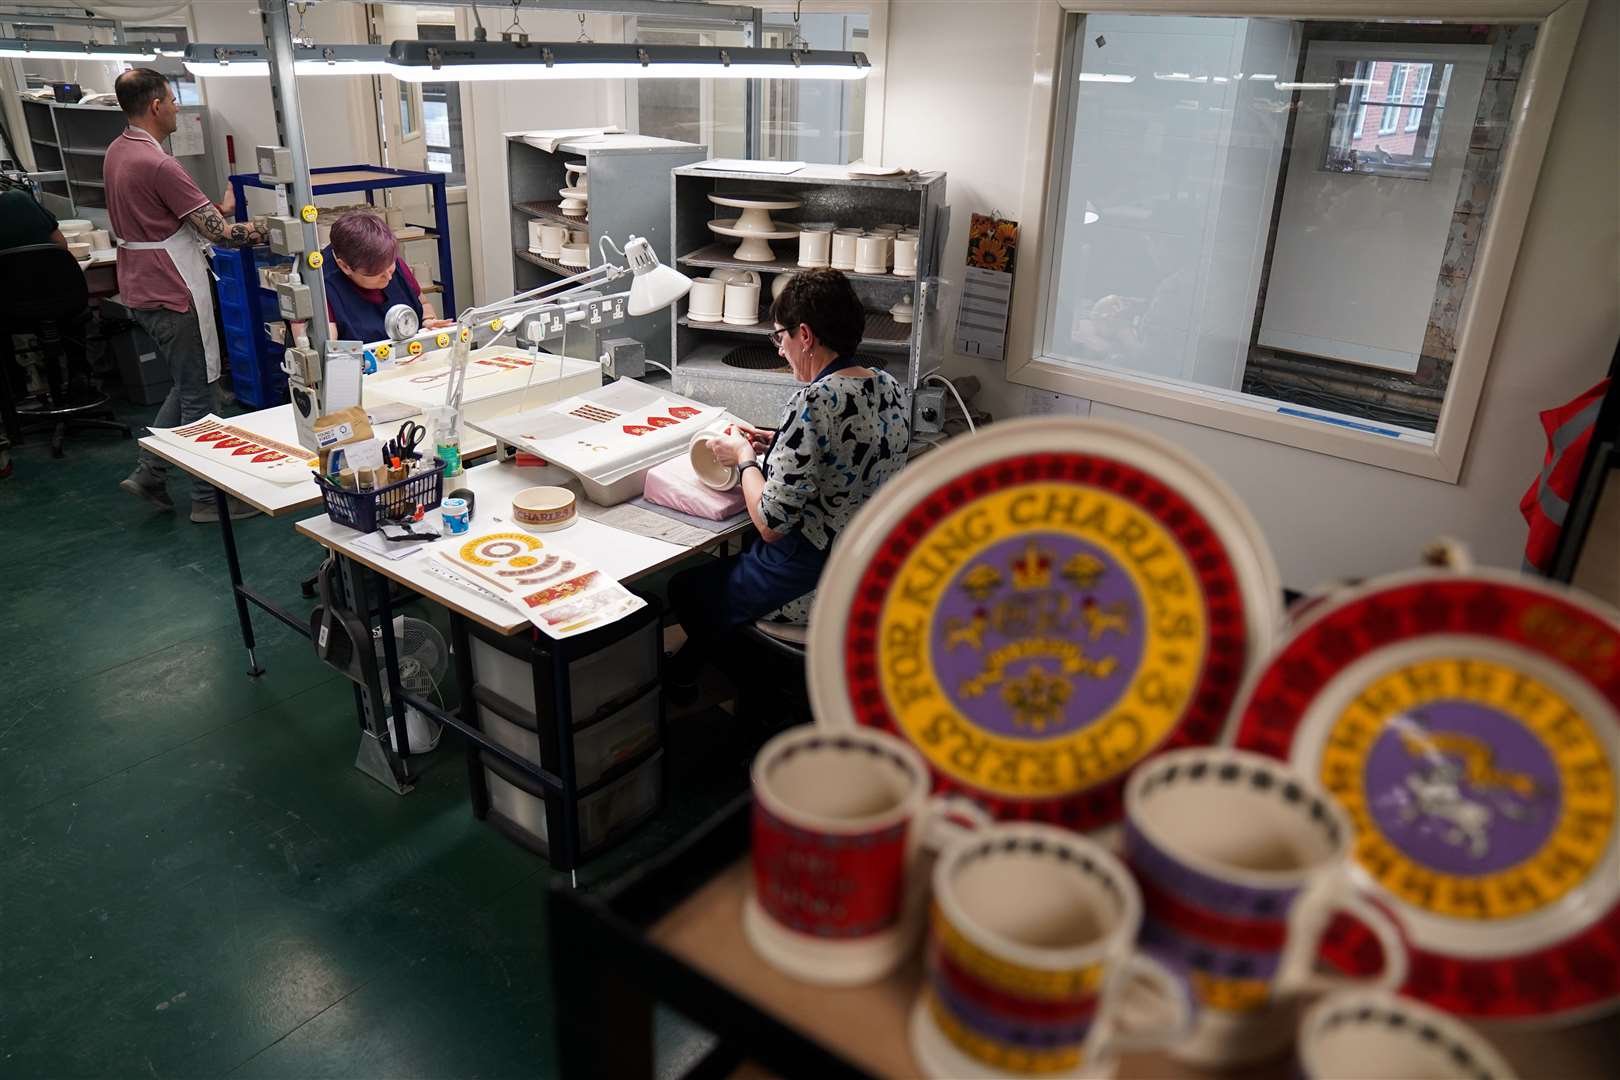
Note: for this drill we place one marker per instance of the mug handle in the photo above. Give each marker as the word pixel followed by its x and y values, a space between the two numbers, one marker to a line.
pixel 1308 924
pixel 950 818
pixel 1163 1023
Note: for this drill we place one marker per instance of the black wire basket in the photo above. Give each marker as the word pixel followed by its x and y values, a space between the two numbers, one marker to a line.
pixel 361 510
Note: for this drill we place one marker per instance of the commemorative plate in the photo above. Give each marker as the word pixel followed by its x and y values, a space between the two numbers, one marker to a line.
pixel 1470 724
pixel 1040 606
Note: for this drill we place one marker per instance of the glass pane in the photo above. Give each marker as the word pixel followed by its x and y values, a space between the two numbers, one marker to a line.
pixel 1236 209
pixel 441 109
pixel 1397 95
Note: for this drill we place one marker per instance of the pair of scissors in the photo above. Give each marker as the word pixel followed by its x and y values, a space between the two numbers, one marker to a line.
pixel 404 445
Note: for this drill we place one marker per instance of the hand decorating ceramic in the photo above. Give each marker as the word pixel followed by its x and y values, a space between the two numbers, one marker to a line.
pixel 840 819
pixel 705 303
pixel 1470 725
pixel 543 509
pixel 1039 607
pixel 1242 864
pixel 1364 1035
pixel 708 468
pixel 1031 956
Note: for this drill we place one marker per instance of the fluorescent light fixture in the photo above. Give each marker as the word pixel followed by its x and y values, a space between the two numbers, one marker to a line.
pixel 452 61
pixel 1105 77
pixel 1307 86
pixel 72 50
pixel 1355 82
pixel 1180 76
pixel 253 61
pixel 1263 78
pixel 656 285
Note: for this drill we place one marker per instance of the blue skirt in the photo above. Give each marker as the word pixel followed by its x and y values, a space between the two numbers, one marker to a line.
pixel 766 576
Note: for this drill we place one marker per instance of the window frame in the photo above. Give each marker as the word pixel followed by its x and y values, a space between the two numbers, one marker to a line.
pixel 1420 99
pixel 1389 120
pixel 1440 457
pixel 877 46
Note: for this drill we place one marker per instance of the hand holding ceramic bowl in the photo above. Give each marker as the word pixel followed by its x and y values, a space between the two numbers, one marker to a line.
pixel 1242 864
pixel 708 467
pixel 1032 963
pixel 731 448
pixel 840 822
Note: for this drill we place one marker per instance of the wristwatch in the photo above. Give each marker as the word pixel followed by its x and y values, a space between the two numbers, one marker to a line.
pixel 754 464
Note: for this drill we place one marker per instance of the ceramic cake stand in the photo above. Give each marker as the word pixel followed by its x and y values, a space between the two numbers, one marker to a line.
pixel 754 227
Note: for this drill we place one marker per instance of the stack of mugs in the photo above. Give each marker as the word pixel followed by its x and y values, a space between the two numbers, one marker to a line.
pixel 550 239
pixel 882 249
pixel 725 296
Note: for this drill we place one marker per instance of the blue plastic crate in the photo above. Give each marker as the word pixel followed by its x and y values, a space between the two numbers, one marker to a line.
pixel 244 307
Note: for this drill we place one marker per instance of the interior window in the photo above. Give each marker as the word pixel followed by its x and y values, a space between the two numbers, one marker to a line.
pixel 1236 211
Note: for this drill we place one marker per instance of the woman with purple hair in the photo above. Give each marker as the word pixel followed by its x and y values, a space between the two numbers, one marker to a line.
pixel 365 277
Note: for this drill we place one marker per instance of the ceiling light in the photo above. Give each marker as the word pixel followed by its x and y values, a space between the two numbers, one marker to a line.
pixel 1307 86
pixel 250 61
pixel 1103 77
pixel 450 61
pixel 69 50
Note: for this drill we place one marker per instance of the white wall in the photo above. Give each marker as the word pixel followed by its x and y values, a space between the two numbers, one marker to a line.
pixel 489 109
pixel 1326 517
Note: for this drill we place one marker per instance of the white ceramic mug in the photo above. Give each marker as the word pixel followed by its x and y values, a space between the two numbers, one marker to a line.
pixel 843 248
pixel 872 254
pixel 578 236
pixel 742 304
pixel 1032 962
pixel 1243 863
pixel 706 302
pixel 395 216
pixel 1367 1035
pixel 815 246
pixel 905 256
pixel 551 237
pixel 840 822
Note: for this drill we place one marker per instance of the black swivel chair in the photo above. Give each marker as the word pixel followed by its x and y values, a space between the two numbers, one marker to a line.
pixel 43 292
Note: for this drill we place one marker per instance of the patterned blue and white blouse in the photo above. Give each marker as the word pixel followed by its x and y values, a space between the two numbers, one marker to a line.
pixel 841 437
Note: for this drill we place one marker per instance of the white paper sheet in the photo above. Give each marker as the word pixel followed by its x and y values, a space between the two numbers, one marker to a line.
pixel 187 140
pixel 765 168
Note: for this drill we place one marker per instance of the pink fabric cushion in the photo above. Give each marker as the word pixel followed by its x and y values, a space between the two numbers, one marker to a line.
pixel 675 485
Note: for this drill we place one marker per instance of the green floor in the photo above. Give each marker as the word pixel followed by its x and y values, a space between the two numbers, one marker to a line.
pixel 194 881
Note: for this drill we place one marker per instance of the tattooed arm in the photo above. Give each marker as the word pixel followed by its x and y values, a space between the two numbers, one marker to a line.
pixel 211 225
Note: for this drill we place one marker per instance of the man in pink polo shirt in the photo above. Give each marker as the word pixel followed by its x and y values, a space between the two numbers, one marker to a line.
pixel 163 220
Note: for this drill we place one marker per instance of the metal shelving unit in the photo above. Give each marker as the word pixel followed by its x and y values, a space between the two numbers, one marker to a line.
pixel 629 195
pixel 709 365
pixel 370 179
pixel 72 140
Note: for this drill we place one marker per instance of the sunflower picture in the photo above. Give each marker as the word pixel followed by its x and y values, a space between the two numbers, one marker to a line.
pixel 992 243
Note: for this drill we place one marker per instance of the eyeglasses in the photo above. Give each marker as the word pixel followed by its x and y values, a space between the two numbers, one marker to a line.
pixel 777 335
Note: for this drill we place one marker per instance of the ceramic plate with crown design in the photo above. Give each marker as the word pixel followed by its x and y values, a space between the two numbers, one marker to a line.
pixel 1470 724
pixel 1040 606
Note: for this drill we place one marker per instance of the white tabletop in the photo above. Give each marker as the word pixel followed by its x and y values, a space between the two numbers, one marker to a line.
pixel 277 424
pixel 624 555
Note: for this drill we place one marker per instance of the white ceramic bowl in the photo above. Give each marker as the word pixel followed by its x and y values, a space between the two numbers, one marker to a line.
pixel 707 466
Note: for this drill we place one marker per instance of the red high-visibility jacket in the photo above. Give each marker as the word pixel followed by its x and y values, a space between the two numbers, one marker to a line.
pixel 1569 431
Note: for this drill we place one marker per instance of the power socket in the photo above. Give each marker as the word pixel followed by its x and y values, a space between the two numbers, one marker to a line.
pixel 928 410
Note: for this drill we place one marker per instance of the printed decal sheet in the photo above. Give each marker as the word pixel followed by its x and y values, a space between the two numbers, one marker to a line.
pixel 255 455
pixel 555 589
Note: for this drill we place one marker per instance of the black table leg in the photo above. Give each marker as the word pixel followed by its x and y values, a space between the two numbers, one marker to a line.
pixel 222 503
pixel 461 649
pixel 396 701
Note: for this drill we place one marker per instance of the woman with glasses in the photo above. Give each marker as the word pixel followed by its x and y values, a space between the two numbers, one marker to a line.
pixel 842 435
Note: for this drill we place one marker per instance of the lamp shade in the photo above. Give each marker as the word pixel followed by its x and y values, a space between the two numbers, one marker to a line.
pixel 655 285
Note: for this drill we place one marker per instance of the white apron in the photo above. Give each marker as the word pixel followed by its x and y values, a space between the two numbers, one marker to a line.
pixel 185 251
